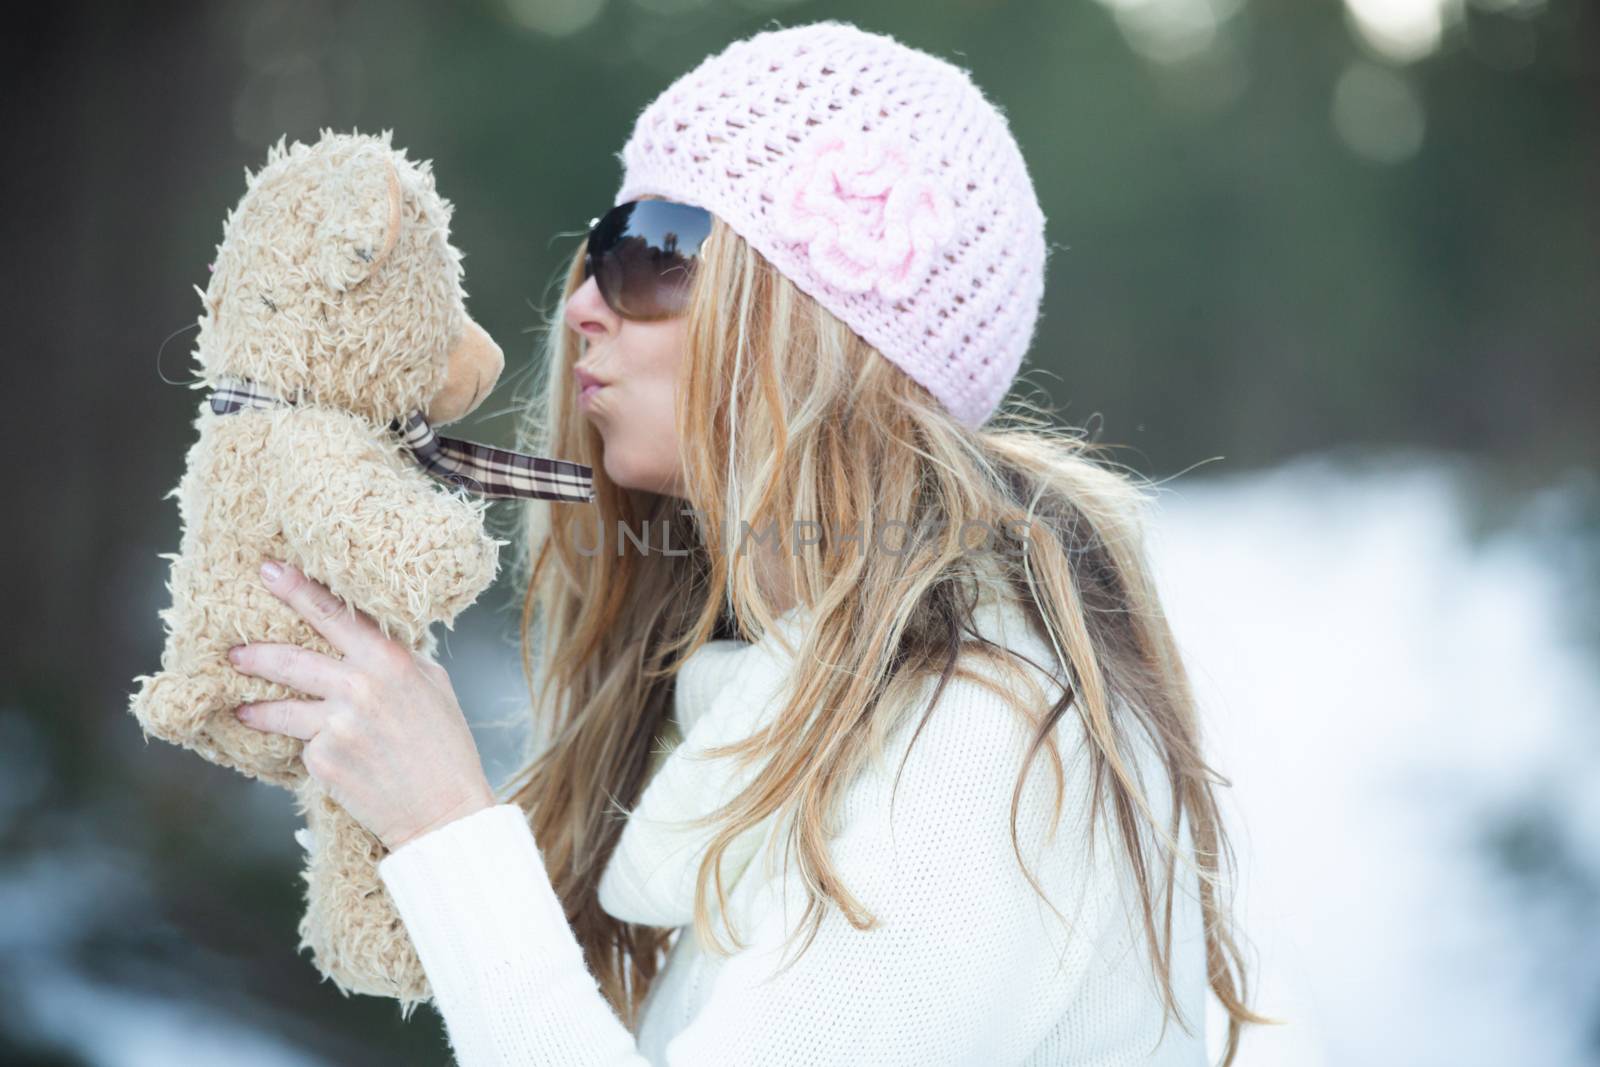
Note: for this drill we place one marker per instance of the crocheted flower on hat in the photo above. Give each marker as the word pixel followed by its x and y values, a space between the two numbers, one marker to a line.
pixel 869 216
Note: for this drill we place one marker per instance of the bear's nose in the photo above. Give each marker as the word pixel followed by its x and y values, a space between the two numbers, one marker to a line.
pixel 494 364
pixel 475 365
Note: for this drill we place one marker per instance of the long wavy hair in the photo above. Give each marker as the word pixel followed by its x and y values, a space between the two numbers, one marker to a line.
pixel 787 417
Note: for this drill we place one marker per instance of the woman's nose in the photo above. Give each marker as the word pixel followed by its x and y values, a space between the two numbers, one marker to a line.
pixel 588 314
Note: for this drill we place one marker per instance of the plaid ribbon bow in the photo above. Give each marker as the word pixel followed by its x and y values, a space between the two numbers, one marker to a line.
pixel 481 469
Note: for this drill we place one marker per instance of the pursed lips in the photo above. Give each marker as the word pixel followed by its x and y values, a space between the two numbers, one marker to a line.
pixel 588 385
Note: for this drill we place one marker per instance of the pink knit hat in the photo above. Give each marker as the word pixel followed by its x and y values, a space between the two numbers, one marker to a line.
pixel 878 179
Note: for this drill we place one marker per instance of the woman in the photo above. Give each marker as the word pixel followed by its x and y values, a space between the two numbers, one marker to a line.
pixel 863 738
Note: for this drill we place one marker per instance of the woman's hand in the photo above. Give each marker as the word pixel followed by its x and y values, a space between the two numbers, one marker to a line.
pixel 387 739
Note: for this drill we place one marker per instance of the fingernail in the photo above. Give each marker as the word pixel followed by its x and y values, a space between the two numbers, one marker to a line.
pixel 271 571
pixel 245 712
pixel 233 654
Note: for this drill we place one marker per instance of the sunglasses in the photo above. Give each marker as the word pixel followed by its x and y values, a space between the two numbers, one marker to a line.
pixel 643 255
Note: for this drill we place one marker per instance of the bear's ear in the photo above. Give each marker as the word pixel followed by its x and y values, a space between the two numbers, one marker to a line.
pixel 361 215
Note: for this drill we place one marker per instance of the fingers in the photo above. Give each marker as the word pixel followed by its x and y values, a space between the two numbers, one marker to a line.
pixel 351 631
pixel 298 668
pixel 296 718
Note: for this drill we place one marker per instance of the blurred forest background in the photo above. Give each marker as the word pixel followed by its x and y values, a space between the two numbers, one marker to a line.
pixel 1333 265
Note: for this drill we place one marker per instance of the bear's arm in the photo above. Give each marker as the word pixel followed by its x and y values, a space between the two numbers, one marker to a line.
pixel 362 518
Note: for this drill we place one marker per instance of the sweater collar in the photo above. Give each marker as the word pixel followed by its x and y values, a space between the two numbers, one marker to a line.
pixel 725 691
pixel 721 664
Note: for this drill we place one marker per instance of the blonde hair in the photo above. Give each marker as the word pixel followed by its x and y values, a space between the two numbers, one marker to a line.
pixel 827 427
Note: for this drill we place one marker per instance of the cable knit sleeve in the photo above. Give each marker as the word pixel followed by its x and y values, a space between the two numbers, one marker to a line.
pixel 961 938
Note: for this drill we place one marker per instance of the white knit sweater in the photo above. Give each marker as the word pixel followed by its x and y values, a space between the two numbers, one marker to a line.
pixel 966 966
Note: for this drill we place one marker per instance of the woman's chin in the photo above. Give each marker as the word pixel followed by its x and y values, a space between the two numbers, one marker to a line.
pixel 633 475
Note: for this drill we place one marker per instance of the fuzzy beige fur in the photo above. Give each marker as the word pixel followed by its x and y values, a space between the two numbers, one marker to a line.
pixel 335 285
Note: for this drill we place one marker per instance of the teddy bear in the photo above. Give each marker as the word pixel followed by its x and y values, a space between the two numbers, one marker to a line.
pixel 337 291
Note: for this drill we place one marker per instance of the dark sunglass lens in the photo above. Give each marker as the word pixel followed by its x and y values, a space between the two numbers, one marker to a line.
pixel 603 234
pixel 643 254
